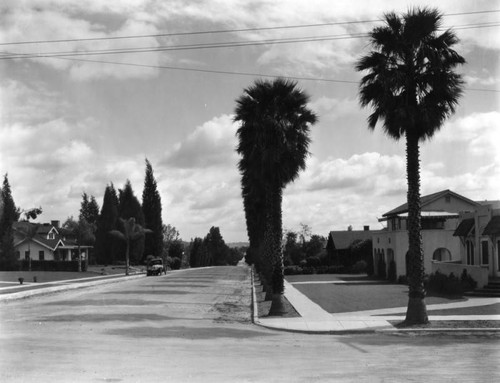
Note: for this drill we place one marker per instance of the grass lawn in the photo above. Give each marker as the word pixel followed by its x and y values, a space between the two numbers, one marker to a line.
pixel 359 293
pixel 7 277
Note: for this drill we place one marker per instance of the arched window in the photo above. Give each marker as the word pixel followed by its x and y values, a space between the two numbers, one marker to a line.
pixel 441 255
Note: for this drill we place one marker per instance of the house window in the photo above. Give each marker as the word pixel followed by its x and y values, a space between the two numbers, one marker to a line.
pixel 432 224
pixel 470 252
pixel 484 253
pixel 441 255
pixel 27 255
pixel 41 255
pixel 51 235
pixel 18 255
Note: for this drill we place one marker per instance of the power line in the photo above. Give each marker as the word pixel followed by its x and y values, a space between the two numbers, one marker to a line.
pixel 231 44
pixel 249 74
pixel 220 31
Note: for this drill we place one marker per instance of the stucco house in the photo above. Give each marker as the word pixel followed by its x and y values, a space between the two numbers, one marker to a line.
pixel 479 234
pixel 44 242
pixel 440 218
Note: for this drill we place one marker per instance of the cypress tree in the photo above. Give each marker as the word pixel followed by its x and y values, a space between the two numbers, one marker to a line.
pixel 151 208
pixel 8 215
pixel 105 247
pixel 130 207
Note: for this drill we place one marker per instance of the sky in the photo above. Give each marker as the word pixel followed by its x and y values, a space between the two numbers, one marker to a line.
pixel 74 124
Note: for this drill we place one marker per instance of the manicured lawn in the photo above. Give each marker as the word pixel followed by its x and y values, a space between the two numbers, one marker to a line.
pixel 359 293
pixel 52 276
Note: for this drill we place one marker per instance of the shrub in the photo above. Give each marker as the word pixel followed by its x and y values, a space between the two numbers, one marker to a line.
pixel 391 274
pixel 293 270
pixel 313 261
pixel 382 273
pixel 451 284
pixel 403 280
pixel 359 267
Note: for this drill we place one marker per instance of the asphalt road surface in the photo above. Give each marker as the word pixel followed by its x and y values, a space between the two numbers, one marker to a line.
pixel 195 326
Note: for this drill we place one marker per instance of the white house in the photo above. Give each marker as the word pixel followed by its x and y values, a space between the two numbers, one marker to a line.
pixel 440 218
pixel 479 234
pixel 44 242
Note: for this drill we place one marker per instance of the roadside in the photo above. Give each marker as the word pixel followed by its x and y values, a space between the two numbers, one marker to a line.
pixel 346 303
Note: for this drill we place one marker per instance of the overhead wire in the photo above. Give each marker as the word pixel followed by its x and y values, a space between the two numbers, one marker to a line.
pixel 69 55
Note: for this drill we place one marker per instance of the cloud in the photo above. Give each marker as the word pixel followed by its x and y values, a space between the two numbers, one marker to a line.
pixel 333 108
pixel 211 144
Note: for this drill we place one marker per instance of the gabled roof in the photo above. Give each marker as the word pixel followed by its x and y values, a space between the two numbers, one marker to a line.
pixel 426 200
pixel 343 239
pixel 493 227
pixel 464 228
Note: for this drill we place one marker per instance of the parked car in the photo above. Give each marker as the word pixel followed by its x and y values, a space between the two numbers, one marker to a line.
pixel 155 267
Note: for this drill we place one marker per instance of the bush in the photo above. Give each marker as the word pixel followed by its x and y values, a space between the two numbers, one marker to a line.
pixel 51 265
pixel 451 284
pixel 174 263
pixel 382 273
pixel 293 270
pixel 403 280
pixel 391 275
pixel 359 267
pixel 313 261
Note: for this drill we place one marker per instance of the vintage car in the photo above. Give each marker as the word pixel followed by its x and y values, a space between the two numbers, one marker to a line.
pixel 155 267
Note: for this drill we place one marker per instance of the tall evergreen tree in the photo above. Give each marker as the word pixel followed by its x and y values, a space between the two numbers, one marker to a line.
pixel 105 246
pixel 130 207
pixel 412 88
pixel 216 247
pixel 89 209
pixel 151 208
pixel 8 215
pixel 195 252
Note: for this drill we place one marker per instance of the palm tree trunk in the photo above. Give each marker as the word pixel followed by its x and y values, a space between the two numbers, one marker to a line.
pixel 416 312
pixel 274 251
pixel 127 257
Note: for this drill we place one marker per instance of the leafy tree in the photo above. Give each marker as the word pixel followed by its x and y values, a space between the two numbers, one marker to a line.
pixel 130 232
pixel 170 234
pixel 412 87
pixel 216 247
pixel 32 213
pixel 8 215
pixel 129 207
pixel 105 246
pixel 151 207
pixel 83 232
pixel 273 142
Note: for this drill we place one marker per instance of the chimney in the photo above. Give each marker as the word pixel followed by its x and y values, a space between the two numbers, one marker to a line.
pixel 55 224
pixel 366 228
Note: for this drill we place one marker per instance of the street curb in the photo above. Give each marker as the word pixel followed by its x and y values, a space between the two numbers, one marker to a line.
pixel 391 331
pixel 72 286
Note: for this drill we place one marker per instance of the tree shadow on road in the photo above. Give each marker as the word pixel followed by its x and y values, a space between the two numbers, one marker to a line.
pixel 192 333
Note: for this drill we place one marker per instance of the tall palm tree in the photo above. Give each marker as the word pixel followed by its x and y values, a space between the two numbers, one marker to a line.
pixel 412 88
pixel 273 142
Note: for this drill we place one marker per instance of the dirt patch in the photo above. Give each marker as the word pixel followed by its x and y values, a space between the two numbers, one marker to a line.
pixel 469 324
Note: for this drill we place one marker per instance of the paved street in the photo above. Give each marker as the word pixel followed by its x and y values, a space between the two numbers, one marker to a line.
pixel 195 325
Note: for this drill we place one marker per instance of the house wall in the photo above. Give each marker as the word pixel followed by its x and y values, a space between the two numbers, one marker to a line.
pixel 482 216
pixel 34 249
pixel 397 241
pixel 454 205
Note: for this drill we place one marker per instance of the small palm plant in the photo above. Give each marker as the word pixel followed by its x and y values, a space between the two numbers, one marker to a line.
pixel 130 232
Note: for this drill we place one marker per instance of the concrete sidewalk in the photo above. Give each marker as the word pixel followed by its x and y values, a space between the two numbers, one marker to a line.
pixel 313 319
pixel 29 289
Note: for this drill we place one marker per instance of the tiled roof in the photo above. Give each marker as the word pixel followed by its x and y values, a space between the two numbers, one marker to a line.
pixel 493 227
pixel 343 239
pixel 427 199
pixel 464 228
